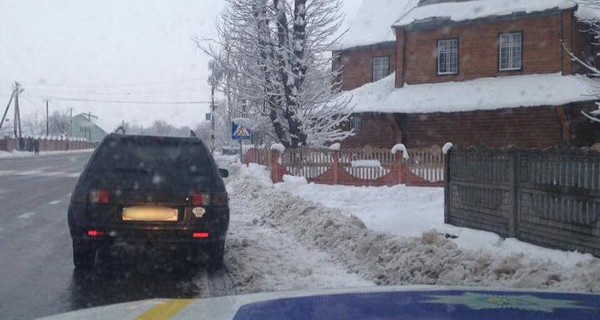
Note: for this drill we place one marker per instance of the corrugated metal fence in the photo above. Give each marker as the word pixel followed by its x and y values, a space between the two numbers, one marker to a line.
pixel 547 198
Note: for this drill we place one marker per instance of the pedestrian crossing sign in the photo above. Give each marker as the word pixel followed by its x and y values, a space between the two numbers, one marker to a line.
pixel 239 132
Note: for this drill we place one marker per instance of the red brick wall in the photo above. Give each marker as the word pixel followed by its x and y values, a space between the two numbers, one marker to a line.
pixel 478 46
pixel 358 63
pixel 537 127
pixel 378 130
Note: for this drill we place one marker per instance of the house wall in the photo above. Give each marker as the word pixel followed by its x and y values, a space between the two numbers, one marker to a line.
pixel 478 48
pixel 378 130
pixel 537 127
pixel 358 63
pixel 530 127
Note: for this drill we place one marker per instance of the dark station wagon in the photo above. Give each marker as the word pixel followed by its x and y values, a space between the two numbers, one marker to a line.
pixel 153 191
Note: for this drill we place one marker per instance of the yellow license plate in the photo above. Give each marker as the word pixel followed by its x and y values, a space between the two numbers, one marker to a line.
pixel 150 213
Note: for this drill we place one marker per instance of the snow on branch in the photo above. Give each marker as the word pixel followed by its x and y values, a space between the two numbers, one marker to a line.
pixel 274 67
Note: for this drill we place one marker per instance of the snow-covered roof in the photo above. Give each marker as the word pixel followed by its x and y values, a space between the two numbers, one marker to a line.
pixel 469 10
pixel 479 94
pixel 586 12
pixel 373 22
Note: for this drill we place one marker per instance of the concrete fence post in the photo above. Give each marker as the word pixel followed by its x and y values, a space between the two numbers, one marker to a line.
pixel 513 194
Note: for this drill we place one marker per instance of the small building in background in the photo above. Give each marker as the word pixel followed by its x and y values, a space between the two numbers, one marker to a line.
pixel 92 130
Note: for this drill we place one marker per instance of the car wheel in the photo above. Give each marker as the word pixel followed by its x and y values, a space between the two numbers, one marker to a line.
pixel 84 255
pixel 216 254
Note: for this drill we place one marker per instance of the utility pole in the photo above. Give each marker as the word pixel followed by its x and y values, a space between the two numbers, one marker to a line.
pixel 12 95
pixel 17 121
pixel 90 116
pixel 212 116
pixel 47 119
pixel 71 122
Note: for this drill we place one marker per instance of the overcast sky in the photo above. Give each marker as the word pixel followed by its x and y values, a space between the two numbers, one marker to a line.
pixel 122 50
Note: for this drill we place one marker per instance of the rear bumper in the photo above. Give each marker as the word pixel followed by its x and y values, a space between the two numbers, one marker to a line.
pixel 156 233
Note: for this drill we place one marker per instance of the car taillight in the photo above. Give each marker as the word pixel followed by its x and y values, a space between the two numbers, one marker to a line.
pixel 201 199
pixel 95 233
pixel 220 199
pixel 100 196
pixel 201 235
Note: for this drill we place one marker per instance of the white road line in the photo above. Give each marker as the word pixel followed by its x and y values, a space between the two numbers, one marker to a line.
pixel 54 202
pixel 27 215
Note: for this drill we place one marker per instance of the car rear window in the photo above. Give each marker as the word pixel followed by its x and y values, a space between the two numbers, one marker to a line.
pixel 151 155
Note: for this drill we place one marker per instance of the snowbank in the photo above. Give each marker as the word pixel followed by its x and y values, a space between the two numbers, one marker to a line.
pixel 260 258
pixel 479 94
pixel 469 10
pixel 384 258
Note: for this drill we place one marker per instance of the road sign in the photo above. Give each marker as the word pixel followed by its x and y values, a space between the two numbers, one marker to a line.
pixel 239 132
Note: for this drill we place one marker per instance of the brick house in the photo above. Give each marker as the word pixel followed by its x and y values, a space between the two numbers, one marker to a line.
pixel 468 71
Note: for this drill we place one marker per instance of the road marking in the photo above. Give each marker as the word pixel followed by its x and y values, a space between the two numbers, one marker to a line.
pixel 166 310
pixel 27 215
pixel 54 202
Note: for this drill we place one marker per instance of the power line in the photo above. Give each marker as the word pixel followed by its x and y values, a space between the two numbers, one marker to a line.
pixel 128 102
pixel 117 85
pixel 94 92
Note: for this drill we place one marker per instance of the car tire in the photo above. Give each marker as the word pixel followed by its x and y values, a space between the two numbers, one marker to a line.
pixel 216 255
pixel 84 255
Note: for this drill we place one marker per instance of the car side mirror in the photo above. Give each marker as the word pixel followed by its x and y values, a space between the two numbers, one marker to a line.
pixel 224 173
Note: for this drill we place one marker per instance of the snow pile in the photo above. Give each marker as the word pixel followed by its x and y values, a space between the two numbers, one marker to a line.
pixel 335 147
pixel 429 259
pixel 469 10
pixel 385 259
pixel 410 211
pixel 373 22
pixel 366 163
pixel 479 94
pixel 260 258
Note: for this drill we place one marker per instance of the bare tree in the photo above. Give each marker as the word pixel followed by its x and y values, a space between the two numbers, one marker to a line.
pixel 276 63
pixel 589 61
pixel 59 123
pixel 35 125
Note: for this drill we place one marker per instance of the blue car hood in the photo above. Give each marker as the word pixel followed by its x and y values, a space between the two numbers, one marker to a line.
pixel 407 303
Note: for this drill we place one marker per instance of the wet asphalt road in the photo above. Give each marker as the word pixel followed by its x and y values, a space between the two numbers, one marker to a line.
pixel 37 277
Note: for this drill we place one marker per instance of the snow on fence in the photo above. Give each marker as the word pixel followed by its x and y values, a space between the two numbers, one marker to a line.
pixel 367 166
pixel 547 198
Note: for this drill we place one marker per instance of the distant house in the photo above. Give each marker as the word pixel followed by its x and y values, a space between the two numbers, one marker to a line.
pixel 495 72
pixel 90 130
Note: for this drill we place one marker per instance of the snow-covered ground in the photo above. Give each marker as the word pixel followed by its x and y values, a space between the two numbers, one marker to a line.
pixel 299 236
pixel 261 258
pixel 410 211
pixel 25 154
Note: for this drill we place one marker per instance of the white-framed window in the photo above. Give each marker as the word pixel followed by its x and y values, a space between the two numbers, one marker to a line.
pixel 511 51
pixel 448 56
pixel 381 68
